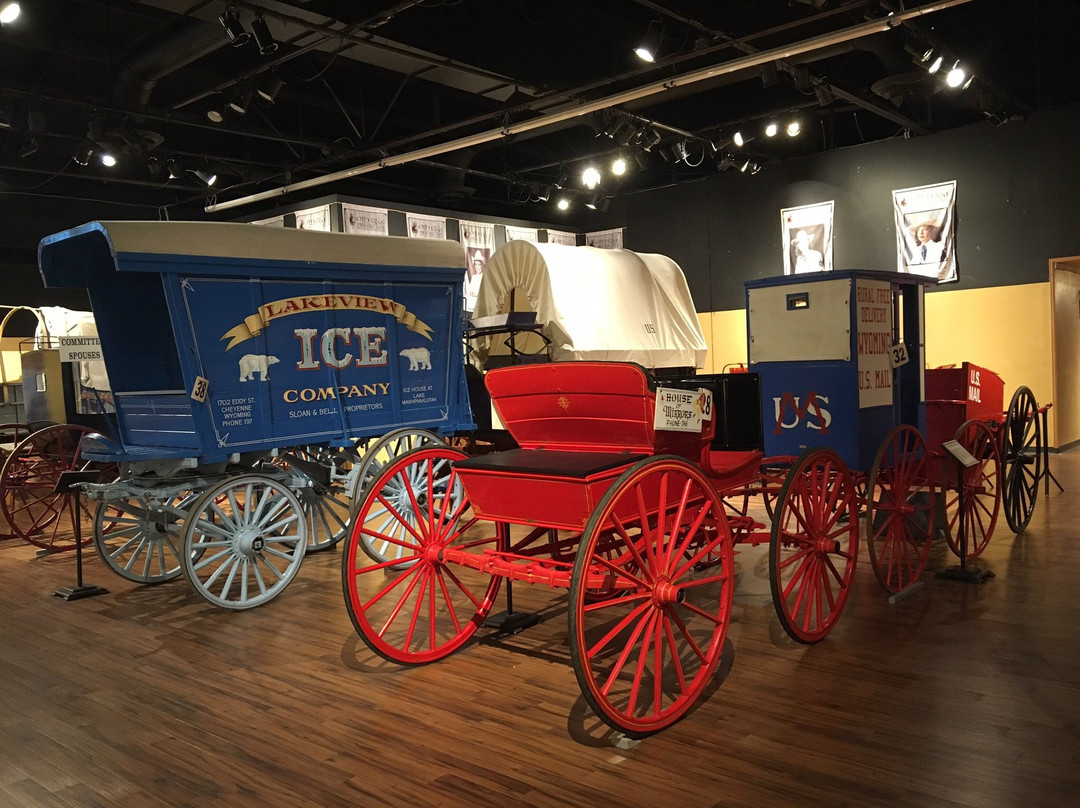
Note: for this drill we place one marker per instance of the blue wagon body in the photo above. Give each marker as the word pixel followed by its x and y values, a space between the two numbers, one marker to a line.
pixel 825 345
pixel 224 338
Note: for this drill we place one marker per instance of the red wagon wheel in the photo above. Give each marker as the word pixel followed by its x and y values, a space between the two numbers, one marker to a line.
pixel 814 545
pixel 900 509
pixel 981 487
pixel 28 480
pixel 644 655
pixel 415 607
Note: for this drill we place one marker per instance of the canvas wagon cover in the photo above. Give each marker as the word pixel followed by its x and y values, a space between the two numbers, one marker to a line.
pixel 593 304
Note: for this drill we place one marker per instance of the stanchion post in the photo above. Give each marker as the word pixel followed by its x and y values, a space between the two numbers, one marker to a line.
pixel 68 485
pixel 1046 473
pixel 961 572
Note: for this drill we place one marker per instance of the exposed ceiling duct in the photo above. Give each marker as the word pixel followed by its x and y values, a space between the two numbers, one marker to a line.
pixel 177 46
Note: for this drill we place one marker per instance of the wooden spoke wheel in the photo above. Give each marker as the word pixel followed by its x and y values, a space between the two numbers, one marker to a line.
pixel 1023 453
pixel 28 481
pixel 979 487
pixel 140 538
pixel 900 509
pixel 644 655
pixel 244 539
pixel 814 545
pixel 377 456
pixel 416 607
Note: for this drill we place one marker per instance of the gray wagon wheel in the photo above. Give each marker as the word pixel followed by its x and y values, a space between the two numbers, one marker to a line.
pixel 326 508
pixel 1022 454
pixel 139 538
pixel 244 540
pixel 378 456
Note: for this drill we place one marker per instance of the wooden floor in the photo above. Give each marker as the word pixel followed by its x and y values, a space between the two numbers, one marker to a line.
pixel 960 695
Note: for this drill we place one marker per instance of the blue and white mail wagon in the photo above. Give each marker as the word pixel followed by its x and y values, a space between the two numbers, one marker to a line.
pixel 841 356
pixel 222 338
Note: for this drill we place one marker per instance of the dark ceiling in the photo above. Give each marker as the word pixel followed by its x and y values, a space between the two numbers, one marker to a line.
pixel 483 100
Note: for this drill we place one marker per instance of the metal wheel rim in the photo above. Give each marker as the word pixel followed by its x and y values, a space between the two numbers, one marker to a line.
pixel 1023 455
pixel 140 539
pixel 244 532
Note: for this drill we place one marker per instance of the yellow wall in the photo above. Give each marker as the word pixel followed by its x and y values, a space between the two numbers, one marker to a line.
pixel 1003 328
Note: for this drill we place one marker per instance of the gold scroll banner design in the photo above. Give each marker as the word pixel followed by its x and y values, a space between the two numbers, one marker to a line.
pixel 268 312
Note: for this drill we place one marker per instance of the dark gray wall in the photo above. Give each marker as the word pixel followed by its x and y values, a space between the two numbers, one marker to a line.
pixel 1017 206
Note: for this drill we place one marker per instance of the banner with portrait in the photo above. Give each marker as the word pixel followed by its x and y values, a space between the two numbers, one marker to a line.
pixel 925 230
pixel 314 218
pixel 562 237
pixel 529 234
pixel 478 238
pixel 364 219
pixel 806 234
pixel 605 239
pixel 421 226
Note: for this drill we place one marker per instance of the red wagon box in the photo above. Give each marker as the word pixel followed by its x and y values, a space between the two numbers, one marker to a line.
pixel 958 394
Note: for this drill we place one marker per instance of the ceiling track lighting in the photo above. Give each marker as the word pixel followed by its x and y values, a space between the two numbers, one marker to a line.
pixel 230 21
pixel 240 100
pixel 207 177
pixel 269 88
pixel 263 38
pixel 649 138
pixel 9 12
pixel 650 45
pixel 83 155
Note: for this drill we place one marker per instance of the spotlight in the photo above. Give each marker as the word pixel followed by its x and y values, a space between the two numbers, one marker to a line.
pixel 622 132
pixel 263 38
pixel 956 76
pixel 771 130
pixel 642 160
pixel 725 161
pixel 562 180
pixel 540 192
pixel 738 139
pixel 649 138
pixel 598 202
pixel 174 169
pixel 590 177
pixel 269 88
pixel 563 203
pixel 240 100
pixel 770 76
pixel 30 147
pixel 618 166
pixel 206 176
pixel 919 54
pixel 153 165
pixel 9 12
pixel 745 165
pixel 96 130
pixel 230 21
pixel 967 83
pixel 215 115
pixel 650 45
pixel 936 64
pixel 793 129
pixel 682 151
pixel 83 155
pixel 107 158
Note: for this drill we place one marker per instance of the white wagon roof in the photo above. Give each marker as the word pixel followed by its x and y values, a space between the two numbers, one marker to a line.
pixel 594 304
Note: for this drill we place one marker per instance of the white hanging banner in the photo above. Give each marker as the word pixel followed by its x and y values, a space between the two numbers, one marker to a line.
pixel 561 237
pixel 313 218
pixel 478 238
pixel 807 238
pixel 273 221
pixel 529 234
pixel 421 226
pixel 363 219
pixel 605 239
pixel 925 230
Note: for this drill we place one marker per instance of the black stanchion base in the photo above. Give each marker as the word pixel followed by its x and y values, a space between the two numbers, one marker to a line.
pixel 511 622
pixel 969 575
pixel 80 592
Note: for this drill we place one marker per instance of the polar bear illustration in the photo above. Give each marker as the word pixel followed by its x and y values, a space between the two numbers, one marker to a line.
pixel 419 358
pixel 250 364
